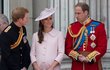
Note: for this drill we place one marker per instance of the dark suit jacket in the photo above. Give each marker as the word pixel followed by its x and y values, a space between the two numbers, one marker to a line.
pixel 18 57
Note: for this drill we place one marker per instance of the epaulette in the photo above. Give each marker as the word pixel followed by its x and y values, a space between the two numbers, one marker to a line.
pixel 98 21
pixel 7 29
pixel 93 25
pixel 102 22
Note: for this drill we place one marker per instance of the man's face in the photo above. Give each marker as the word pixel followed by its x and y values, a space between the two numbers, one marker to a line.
pixel 25 20
pixel 80 15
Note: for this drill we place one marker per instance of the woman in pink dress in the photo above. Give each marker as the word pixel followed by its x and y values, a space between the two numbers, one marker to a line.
pixel 47 44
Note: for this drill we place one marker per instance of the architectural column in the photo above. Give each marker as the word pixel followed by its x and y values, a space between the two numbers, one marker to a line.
pixel 98 10
pixel 7 8
pixel 108 22
pixel 71 17
pixel 57 15
pixel 63 15
pixel 38 6
pixel 93 9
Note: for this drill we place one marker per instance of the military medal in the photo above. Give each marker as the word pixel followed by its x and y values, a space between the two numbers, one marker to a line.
pixel 24 39
pixel 93 45
pixel 92 29
pixel 92 37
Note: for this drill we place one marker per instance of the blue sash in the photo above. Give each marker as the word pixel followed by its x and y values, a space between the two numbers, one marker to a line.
pixel 95 23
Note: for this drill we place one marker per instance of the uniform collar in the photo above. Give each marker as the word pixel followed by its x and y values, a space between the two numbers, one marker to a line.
pixel 13 23
pixel 87 21
pixel 15 26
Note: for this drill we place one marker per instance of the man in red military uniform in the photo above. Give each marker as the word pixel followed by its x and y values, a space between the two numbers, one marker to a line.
pixel 86 40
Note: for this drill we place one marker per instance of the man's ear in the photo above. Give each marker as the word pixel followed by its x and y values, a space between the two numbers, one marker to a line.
pixel 86 12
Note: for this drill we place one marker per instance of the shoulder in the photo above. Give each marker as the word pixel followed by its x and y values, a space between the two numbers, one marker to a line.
pixel 7 29
pixel 98 23
pixel 35 34
pixel 57 33
pixel 6 33
pixel 74 25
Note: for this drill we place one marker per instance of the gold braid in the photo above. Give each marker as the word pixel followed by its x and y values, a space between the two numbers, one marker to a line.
pixel 81 31
pixel 83 28
pixel 18 40
pixel 71 33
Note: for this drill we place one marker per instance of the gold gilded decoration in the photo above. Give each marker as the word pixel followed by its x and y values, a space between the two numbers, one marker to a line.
pixel 92 37
pixel 7 29
pixel 92 55
pixel 84 46
pixel 80 38
pixel 74 54
pixel 72 34
pixel 86 40
pixel 18 40
pixel 87 21
pixel 93 45
pixel 80 33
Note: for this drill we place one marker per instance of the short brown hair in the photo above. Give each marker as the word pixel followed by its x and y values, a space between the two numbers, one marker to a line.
pixel 19 12
pixel 83 6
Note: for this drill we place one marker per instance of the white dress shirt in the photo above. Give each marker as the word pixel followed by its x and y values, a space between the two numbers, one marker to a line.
pixel 52 48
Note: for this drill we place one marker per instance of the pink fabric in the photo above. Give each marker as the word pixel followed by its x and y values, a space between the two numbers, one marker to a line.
pixel 52 48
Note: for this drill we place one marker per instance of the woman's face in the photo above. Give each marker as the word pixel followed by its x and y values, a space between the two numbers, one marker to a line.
pixel 47 22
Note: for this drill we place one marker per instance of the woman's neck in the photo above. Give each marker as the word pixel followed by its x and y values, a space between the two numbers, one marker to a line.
pixel 46 30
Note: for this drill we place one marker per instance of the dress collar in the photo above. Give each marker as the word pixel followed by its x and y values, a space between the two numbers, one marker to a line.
pixel 53 32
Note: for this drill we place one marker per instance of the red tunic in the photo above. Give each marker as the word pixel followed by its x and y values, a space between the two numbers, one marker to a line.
pixel 95 44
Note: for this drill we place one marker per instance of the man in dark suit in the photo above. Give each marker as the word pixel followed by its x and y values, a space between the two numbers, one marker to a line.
pixel 15 48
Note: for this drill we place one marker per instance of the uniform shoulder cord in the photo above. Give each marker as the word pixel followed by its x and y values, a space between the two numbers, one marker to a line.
pixel 18 40
pixel 76 35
